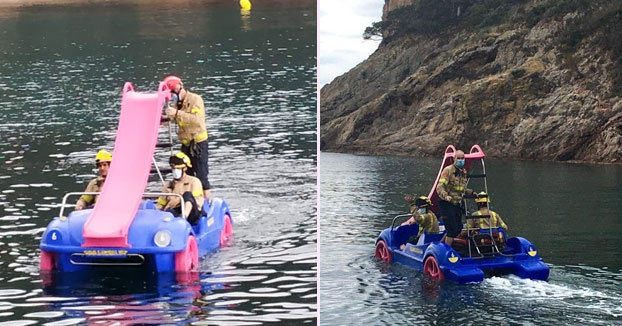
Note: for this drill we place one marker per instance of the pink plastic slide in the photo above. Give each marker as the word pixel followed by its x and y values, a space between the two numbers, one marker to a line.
pixel 129 172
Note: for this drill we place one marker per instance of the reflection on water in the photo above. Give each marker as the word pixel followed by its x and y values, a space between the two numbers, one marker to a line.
pixel 538 200
pixel 63 70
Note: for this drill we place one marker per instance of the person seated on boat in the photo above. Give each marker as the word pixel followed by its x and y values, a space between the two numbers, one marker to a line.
pixel 426 219
pixel 450 189
pixel 102 161
pixel 189 187
pixel 495 220
pixel 483 209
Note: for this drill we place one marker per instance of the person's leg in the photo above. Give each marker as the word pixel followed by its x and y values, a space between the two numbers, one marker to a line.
pixel 457 220
pixel 200 164
pixel 193 212
pixel 186 150
pixel 449 212
pixel 175 211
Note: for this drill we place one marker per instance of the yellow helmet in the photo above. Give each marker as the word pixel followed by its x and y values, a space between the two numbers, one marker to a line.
pixel 179 160
pixel 482 197
pixel 103 156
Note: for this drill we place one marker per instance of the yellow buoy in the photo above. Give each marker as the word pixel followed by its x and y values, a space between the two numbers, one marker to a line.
pixel 245 4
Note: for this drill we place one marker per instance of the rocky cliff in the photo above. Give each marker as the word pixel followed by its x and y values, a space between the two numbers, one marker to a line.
pixel 540 83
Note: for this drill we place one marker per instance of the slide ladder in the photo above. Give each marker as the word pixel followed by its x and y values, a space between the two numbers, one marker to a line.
pixel 134 147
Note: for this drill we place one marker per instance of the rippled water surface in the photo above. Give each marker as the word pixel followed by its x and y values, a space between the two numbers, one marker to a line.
pixel 569 211
pixel 63 69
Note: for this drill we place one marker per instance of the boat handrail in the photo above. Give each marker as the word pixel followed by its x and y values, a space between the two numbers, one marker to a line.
pixel 396 217
pixel 145 195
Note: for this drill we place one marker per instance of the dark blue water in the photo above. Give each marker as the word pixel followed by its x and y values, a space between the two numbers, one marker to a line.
pixel 569 211
pixel 63 69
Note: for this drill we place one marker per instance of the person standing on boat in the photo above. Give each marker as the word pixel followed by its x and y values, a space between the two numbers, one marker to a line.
pixel 421 215
pixel 102 161
pixel 450 189
pixel 187 186
pixel 188 111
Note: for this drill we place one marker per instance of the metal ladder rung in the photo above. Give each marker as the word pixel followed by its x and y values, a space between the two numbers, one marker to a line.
pixel 476 175
pixel 162 170
pixel 476 217
pixel 164 145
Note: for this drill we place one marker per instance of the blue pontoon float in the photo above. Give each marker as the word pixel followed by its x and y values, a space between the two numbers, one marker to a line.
pixel 469 259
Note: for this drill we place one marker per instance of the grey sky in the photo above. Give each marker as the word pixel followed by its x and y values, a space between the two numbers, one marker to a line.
pixel 342 46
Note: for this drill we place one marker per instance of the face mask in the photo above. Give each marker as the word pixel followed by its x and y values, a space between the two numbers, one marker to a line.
pixel 460 163
pixel 177 173
pixel 422 210
pixel 174 100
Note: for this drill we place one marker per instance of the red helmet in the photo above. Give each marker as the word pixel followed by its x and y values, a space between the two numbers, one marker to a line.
pixel 172 82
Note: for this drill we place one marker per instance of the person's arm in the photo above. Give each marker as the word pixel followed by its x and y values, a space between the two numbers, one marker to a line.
pixel 197 193
pixel 173 202
pixel 194 117
pixel 503 225
pixel 86 200
pixel 416 217
pixel 441 188
pixel 163 200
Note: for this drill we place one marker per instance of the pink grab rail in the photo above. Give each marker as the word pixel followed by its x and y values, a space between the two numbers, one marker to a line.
pixel 137 134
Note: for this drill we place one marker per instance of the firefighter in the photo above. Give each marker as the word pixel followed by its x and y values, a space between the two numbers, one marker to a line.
pixel 421 215
pixel 188 111
pixel 450 189
pixel 102 161
pixel 187 186
pixel 483 201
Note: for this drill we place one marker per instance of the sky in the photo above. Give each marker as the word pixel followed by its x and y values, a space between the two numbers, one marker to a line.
pixel 341 44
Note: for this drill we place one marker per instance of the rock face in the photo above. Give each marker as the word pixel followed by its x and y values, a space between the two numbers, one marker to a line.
pixel 390 5
pixel 511 90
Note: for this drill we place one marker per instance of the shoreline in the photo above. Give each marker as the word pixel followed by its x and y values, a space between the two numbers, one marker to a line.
pixel 380 153
pixel 26 3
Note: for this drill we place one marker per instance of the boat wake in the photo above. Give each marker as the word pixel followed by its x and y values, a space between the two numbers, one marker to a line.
pixel 569 289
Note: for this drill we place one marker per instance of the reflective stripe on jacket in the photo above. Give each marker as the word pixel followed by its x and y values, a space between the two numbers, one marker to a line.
pixel 427 222
pixel 191 119
pixel 94 185
pixel 186 183
pixel 495 220
pixel 452 183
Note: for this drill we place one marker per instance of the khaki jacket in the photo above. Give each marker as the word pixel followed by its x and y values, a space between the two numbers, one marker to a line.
pixel 185 183
pixel 452 183
pixel 94 185
pixel 495 220
pixel 427 222
pixel 191 119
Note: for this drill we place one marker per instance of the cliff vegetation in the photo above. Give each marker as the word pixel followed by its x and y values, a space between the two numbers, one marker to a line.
pixel 531 79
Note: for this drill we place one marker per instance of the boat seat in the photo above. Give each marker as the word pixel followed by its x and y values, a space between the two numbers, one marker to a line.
pixel 146 204
pixel 402 234
pixel 430 237
pixel 479 241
